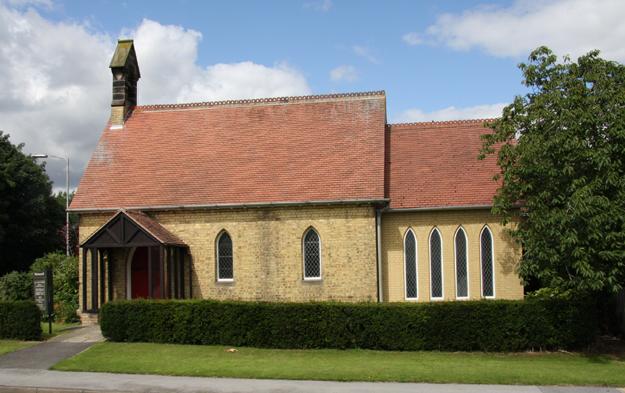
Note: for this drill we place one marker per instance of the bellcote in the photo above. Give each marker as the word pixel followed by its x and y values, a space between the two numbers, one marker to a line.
pixel 126 73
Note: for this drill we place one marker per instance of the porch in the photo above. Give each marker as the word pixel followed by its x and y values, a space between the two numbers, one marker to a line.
pixel 132 256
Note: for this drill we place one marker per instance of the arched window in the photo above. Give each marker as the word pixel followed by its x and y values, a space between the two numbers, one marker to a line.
pixel 312 255
pixel 462 268
pixel 488 263
pixel 225 258
pixel 436 265
pixel 410 265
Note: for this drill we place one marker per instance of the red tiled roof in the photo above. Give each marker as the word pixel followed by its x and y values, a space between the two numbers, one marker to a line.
pixel 314 148
pixel 154 228
pixel 435 164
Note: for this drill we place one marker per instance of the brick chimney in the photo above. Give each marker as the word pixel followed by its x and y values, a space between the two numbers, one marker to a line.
pixel 126 73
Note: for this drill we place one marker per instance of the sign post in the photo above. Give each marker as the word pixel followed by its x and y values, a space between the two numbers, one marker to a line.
pixel 44 294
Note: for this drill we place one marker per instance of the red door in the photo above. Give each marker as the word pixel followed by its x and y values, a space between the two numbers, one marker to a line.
pixel 139 274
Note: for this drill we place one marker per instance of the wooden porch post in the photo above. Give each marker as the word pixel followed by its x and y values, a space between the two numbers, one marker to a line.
pixel 169 288
pixel 102 277
pixel 94 279
pixel 181 267
pixel 161 254
pixel 176 283
pixel 150 292
pixel 84 278
pixel 109 262
pixel 190 279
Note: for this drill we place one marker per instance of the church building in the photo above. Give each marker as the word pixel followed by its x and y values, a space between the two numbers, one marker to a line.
pixel 312 198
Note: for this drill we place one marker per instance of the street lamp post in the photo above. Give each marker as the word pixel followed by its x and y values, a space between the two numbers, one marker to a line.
pixel 66 197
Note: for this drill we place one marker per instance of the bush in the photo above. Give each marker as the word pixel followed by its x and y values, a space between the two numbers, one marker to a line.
pixel 605 301
pixel 486 325
pixel 16 286
pixel 20 320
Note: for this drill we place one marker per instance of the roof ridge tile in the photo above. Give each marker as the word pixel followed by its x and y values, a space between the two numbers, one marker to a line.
pixel 443 122
pixel 282 100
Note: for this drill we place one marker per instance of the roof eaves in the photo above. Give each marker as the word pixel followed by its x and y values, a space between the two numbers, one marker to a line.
pixel 235 205
pixel 439 208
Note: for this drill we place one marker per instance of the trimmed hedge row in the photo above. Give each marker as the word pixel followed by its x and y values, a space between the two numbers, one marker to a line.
pixel 20 319
pixel 486 325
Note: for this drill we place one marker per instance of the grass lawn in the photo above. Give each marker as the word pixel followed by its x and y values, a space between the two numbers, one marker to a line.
pixel 351 365
pixel 7 346
pixel 57 329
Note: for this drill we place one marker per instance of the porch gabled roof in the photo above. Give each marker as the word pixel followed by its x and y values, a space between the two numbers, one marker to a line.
pixel 131 229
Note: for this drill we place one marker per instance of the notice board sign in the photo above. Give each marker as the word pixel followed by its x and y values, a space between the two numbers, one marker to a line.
pixel 43 291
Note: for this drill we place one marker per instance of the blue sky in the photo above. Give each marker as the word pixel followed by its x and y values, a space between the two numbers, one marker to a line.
pixel 436 60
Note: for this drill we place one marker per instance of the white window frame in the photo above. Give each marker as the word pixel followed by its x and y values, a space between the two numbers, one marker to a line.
pixel 217 254
pixel 442 270
pixel 319 277
pixel 466 259
pixel 416 262
pixel 492 255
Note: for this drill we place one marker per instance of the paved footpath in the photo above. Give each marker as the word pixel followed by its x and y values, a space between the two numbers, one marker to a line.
pixel 19 373
pixel 48 353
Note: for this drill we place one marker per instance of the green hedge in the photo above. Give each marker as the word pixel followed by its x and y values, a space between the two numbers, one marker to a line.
pixel 20 319
pixel 487 325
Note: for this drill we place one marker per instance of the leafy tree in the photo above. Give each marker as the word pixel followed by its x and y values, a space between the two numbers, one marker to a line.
pixel 30 215
pixel 561 149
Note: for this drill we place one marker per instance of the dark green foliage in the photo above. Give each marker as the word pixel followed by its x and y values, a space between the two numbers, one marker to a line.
pixel 16 286
pixel 65 280
pixel 500 325
pixel 568 170
pixel 30 215
pixel 19 286
pixel 20 319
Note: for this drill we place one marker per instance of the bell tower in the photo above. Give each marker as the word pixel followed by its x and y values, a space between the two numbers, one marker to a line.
pixel 126 73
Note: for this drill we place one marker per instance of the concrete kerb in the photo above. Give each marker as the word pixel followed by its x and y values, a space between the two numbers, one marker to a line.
pixel 11 389
pixel 385 387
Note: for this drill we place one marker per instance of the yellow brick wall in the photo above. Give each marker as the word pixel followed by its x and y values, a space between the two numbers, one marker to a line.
pixel 394 227
pixel 118 115
pixel 267 247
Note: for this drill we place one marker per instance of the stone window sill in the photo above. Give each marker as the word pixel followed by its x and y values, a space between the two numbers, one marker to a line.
pixel 312 282
pixel 225 284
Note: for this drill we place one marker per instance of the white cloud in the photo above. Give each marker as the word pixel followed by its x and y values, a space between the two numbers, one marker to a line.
pixel 365 52
pixel 169 74
pixel 413 38
pixel 451 113
pixel 322 5
pixel 572 27
pixel 242 81
pixel 345 73
pixel 48 76
pixel 166 56
pixel 55 82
